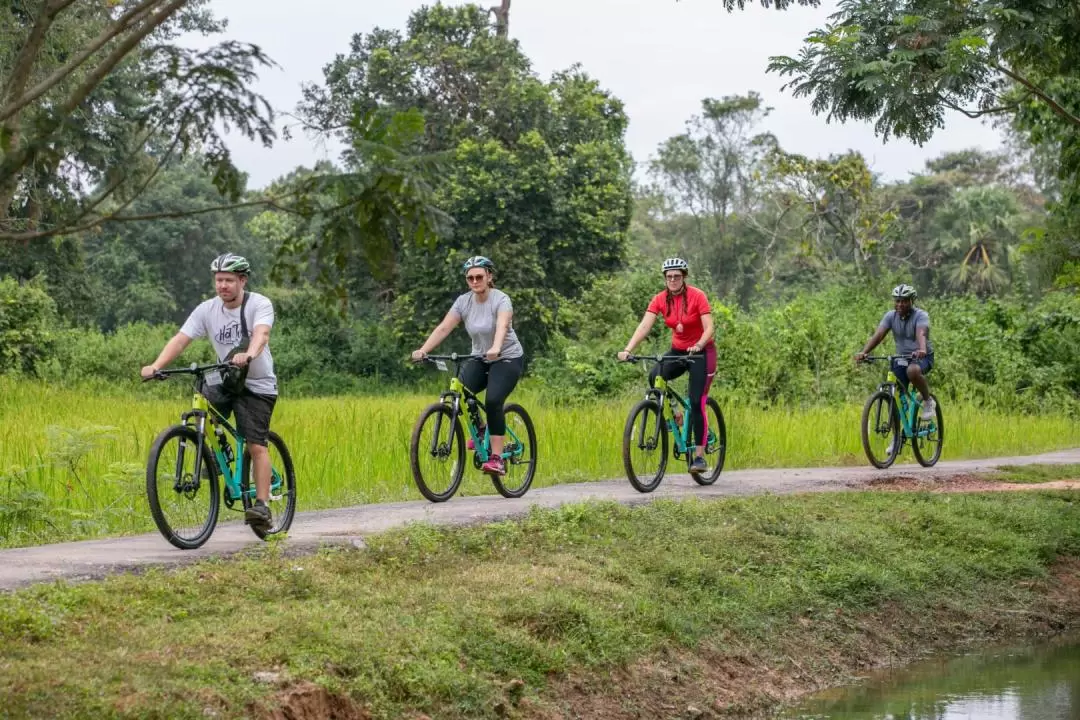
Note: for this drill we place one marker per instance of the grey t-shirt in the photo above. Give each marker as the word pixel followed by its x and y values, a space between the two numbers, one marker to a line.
pixel 213 320
pixel 904 330
pixel 480 322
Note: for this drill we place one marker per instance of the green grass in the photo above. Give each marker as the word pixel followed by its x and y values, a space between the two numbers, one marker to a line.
pixel 441 620
pixel 82 455
pixel 1036 473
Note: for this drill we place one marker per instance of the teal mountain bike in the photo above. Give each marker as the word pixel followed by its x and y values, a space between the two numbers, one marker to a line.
pixel 645 437
pixel 187 459
pixel 892 417
pixel 437 448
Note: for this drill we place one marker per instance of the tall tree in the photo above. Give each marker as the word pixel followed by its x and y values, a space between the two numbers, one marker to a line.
pixel 96 97
pixel 903 65
pixel 538 176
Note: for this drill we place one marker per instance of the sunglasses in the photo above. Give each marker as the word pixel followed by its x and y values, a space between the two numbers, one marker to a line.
pixel 675 276
pixel 474 278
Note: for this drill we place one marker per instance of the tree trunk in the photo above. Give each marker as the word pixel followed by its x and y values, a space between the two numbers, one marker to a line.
pixel 502 18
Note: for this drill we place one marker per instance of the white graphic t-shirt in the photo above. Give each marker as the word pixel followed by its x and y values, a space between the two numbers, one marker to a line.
pixel 211 319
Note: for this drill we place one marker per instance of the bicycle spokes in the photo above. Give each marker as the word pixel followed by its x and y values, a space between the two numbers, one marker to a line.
pixel 182 489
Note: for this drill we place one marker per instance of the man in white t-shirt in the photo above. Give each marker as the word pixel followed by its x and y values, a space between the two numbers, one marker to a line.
pixel 219 319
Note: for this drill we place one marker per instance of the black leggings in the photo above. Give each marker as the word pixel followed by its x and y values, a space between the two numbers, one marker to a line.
pixel 702 371
pixel 500 378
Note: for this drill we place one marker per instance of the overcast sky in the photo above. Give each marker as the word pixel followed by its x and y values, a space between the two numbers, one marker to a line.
pixel 660 57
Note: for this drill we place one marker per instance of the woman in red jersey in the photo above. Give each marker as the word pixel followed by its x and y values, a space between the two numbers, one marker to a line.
pixel 686 311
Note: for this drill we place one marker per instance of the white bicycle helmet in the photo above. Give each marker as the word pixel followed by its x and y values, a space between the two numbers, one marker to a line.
pixel 675 263
pixel 904 292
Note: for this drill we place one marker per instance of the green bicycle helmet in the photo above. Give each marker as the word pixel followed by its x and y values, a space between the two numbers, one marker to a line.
pixel 478 261
pixel 230 263
pixel 904 292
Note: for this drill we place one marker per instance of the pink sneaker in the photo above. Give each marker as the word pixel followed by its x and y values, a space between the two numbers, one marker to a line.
pixel 494 466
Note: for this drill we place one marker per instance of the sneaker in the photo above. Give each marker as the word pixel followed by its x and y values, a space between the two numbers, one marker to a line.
pixel 929 409
pixel 494 466
pixel 892 444
pixel 258 515
pixel 698 466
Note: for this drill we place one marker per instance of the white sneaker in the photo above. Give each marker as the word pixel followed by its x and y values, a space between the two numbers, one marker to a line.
pixel 892 444
pixel 929 410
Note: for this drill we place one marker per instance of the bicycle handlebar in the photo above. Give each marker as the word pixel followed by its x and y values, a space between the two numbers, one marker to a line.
pixel 193 370
pixel 664 358
pixel 890 358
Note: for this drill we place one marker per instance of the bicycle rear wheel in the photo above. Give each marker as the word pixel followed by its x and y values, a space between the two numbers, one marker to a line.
pixel 929 437
pixel 715 443
pixel 184 505
pixel 437 450
pixel 881 429
pixel 647 435
pixel 282 487
pixel 521 457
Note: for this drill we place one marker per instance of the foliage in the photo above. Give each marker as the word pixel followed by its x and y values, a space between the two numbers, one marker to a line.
pixel 903 65
pixel 97 97
pixel 27 318
pixel 538 177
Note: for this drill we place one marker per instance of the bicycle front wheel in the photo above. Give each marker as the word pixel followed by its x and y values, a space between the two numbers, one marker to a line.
pixel 715 443
pixel 182 492
pixel 929 437
pixel 437 453
pixel 520 452
pixel 881 429
pixel 645 446
pixel 282 487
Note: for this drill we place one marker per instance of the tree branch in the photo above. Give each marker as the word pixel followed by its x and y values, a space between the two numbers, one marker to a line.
pixel 20 75
pixel 122 23
pixel 974 114
pixel 1057 108
pixel 119 53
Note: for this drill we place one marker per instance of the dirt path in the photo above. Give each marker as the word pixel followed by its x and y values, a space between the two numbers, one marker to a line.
pixel 90 559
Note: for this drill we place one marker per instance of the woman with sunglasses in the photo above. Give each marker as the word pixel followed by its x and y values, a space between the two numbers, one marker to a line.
pixel 686 311
pixel 487 313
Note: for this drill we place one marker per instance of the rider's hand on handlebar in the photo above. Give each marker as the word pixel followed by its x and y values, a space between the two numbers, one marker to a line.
pixel 860 357
pixel 418 355
pixel 918 354
pixel 622 355
pixel 492 354
pixel 148 372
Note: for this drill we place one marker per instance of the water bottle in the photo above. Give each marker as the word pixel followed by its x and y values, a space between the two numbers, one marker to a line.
pixel 223 442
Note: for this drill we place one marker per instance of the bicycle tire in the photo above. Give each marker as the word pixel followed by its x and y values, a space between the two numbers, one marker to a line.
pixel 643 408
pixel 285 518
pixel 442 411
pixel 210 469
pixel 894 424
pixel 721 453
pixel 530 470
pixel 916 442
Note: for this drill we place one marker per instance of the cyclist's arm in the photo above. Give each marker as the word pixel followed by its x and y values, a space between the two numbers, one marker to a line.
pixel 259 338
pixel 502 326
pixel 170 352
pixel 441 331
pixel 707 328
pixel 920 338
pixel 876 338
pixel 643 329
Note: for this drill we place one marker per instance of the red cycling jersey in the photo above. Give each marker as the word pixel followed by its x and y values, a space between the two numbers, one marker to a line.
pixel 684 309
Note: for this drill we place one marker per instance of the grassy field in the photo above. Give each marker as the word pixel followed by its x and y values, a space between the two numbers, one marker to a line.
pixel 771 593
pixel 81 455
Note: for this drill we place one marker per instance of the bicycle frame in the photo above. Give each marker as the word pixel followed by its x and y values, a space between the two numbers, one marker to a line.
pixel 453 397
pixel 201 414
pixel 907 403
pixel 666 396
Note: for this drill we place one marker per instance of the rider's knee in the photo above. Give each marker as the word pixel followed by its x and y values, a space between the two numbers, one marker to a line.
pixel 914 372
